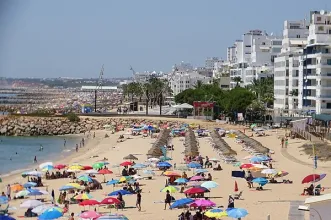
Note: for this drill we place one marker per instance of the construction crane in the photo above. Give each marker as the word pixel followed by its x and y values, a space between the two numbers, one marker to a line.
pixel 98 87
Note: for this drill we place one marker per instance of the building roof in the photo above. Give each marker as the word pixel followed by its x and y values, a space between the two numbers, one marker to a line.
pixel 102 88
pixel 316 199
pixel 322 117
pixel 298 42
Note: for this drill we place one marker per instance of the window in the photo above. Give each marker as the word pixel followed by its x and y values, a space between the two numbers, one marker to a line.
pixel 247 45
pixel 276 42
pixel 263 43
pixel 320 28
pixel 276 50
pixel 319 19
pixel 298 36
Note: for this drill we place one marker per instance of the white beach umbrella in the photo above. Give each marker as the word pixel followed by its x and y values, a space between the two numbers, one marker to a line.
pixel 269 171
pixel 45 164
pixel 34 173
pixel 91 172
pixel 261 166
pixel 154 159
pixel 40 209
pixel 137 177
pixel 30 204
pixel 248 157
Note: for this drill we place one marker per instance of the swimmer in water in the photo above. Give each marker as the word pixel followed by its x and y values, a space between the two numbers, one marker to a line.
pixel 41 148
pixel 35 159
pixel 16 153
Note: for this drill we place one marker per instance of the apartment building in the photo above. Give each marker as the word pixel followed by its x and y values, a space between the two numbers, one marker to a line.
pixel 186 80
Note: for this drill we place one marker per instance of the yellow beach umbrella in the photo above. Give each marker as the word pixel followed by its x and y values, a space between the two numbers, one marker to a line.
pixel 76 167
pixel 75 185
pixel 216 213
pixel 83 196
pixel 171 189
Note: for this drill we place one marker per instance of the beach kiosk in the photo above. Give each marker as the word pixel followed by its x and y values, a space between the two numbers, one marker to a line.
pixel 203 110
pixel 318 207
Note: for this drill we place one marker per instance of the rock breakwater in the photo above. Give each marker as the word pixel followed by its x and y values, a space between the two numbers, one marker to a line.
pixel 35 126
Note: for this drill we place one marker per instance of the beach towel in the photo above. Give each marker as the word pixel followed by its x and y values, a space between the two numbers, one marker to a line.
pixel 238 174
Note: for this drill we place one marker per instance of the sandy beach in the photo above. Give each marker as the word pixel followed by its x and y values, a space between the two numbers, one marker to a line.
pixel 274 200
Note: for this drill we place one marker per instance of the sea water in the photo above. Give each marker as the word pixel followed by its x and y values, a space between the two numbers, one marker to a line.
pixel 17 153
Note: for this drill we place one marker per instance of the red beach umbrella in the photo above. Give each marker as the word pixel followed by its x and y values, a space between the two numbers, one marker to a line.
pixel 311 178
pixel 89 202
pixel 246 165
pixel 60 166
pixel 126 163
pixel 105 171
pixel 87 168
pixel 110 201
pixel 236 186
pixel 194 190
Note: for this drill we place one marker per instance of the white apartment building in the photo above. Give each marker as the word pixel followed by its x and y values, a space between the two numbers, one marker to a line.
pixel 256 52
pixel 315 69
pixel 231 54
pixel 182 67
pixel 286 65
pixel 209 62
pixel 186 80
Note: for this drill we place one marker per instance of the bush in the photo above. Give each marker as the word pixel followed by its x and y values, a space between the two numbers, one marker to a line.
pixel 72 117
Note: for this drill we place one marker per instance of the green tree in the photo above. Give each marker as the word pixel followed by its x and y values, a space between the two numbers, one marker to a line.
pixel 237 80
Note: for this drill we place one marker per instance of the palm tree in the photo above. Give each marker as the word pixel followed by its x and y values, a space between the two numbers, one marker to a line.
pixel 237 80
pixel 198 84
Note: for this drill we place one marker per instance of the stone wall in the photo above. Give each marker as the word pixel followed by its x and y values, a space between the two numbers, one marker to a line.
pixel 33 126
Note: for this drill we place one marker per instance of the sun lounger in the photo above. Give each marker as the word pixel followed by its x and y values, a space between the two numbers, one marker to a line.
pixel 238 196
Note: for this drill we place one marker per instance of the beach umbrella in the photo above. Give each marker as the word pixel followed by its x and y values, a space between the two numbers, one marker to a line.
pixel 110 201
pixel 171 173
pixel 126 163
pixel 153 159
pixel 149 172
pixel 123 192
pixel 91 172
pixel 183 168
pixel 163 164
pixel 311 178
pixel 322 176
pixel 201 171
pixel 255 169
pixel 47 168
pixel 139 166
pixel 113 217
pixel 3 200
pixel 6 217
pixel 130 157
pixel 83 196
pixel 281 174
pixel 36 192
pixel 181 203
pixel 75 168
pixel 98 165
pixel 194 184
pixel 261 181
pixel 112 182
pixel 269 171
pixel 75 185
pixel 34 173
pixel 238 164
pixel 260 166
pixel 16 187
pixel 89 202
pixel 52 213
pixel 125 178
pixel 60 166
pixel 105 171
pixel 137 177
pixel 209 184
pixel 215 213
pixel 171 189
pixel 237 213
pixel 64 188
pixel 181 180
pixel 202 203
pixel 246 165
pixel 165 158
pixel 42 208
pixel 22 193
pixel 194 190
pixel 256 160
pixel 194 165
pixel 89 215
pixel 214 159
pixel 85 178
pixel 30 204
pixel 29 184
pixel 41 166
pixel 196 178
pixel 86 167
pixel 236 186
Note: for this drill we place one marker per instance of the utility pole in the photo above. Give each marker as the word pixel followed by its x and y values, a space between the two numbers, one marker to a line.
pixel 98 87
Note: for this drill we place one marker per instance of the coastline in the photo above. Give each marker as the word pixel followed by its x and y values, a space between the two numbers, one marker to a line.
pixel 16 177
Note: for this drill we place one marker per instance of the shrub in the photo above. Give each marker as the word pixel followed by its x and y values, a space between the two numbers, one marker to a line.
pixel 72 117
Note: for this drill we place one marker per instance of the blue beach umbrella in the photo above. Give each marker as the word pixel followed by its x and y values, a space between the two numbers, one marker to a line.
pixel 261 181
pixel 3 200
pixel 47 168
pixel 123 192
pixel 236 212
pixel 139 166
pixel 34 192
pixel 194 165
pixel 201 171
pixel 64 188
pixel 181 202
pixel 29 184
pixel 111 182
pixel 255 160
pixel 6 217
pixel 149 172
pixel 163 164
pixel 52 213
pixel 181 180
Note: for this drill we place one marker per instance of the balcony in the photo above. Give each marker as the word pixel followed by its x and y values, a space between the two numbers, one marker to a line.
pixel 324 65
pixel 324 97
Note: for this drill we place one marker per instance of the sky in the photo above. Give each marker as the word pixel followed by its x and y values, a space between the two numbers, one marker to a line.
pixel 62 38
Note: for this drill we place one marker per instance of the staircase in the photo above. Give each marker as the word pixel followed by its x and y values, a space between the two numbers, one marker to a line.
pixel 307 135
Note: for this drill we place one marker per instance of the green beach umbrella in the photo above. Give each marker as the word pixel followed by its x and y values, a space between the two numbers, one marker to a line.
pixel 22 193
pixel 98 165
pixel 171 189
pixel 165 158
pixel 238 164
pixel 253 126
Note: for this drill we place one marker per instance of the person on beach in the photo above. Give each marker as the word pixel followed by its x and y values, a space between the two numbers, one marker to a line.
pixel 76 147
pixel 35 159
pixel 41 148
pixel 83 141
pixel 230 202
pixel 93 134
pixel 167 200
pixel 72 216
pixel 64 142
pixel 53 196
pixel 286 142
pixel 8 192
pixel 138 203
pixel 282 142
